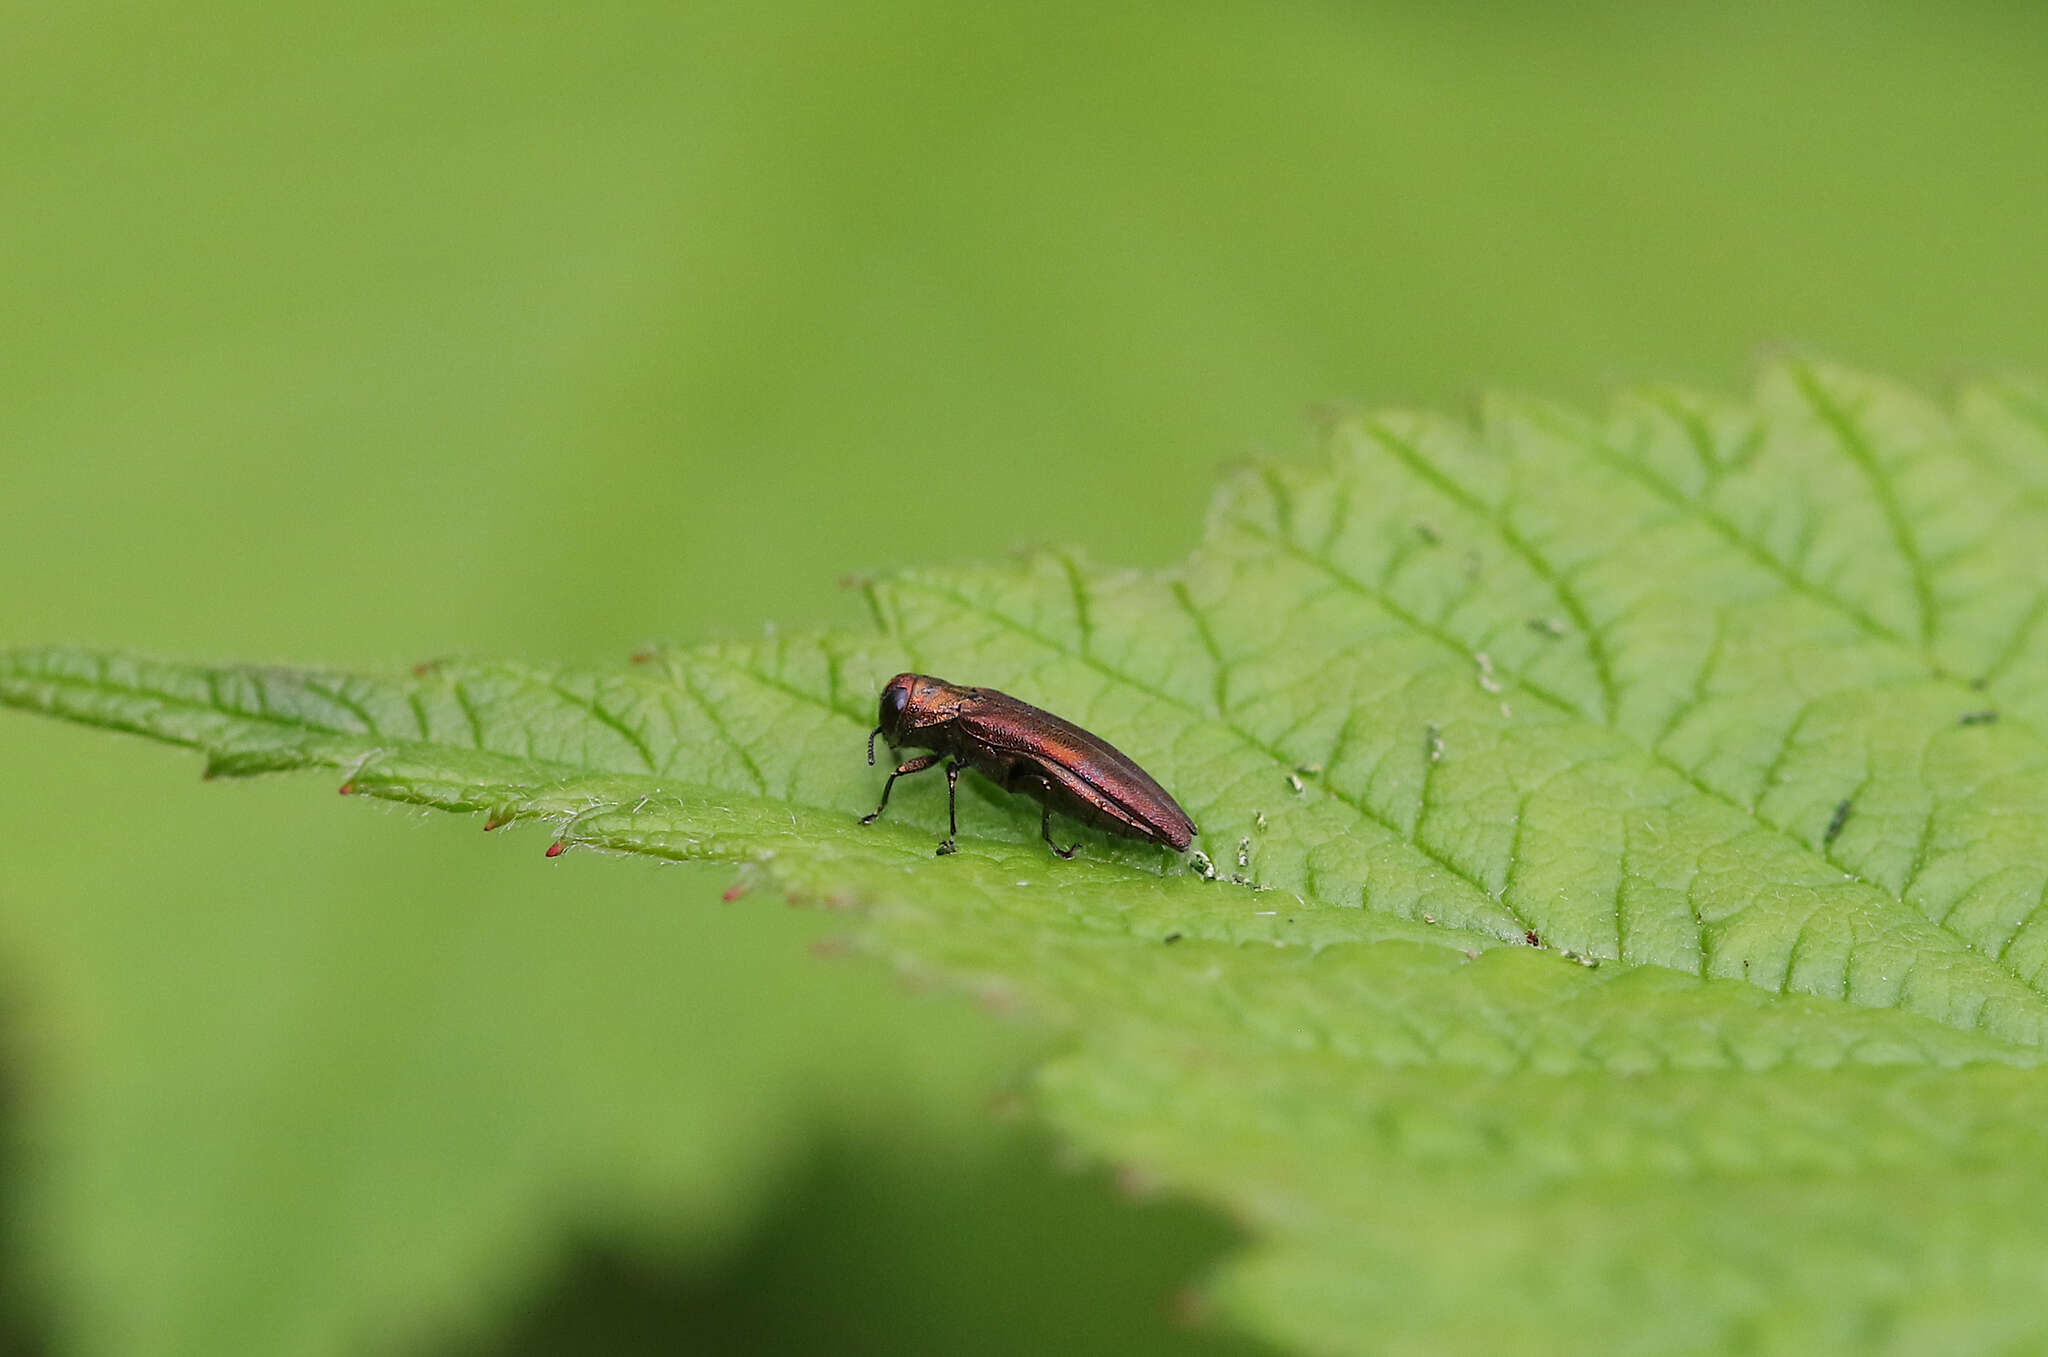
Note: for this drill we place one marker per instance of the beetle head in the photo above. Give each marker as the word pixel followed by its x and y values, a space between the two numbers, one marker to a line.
pixel 897 710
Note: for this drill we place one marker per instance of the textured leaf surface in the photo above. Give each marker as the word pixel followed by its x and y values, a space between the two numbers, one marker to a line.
pixel 1628 920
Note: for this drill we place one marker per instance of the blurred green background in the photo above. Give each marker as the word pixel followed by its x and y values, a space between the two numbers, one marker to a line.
pixel 362 334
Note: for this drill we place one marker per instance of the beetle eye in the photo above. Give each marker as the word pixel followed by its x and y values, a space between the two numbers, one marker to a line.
pixel 894 701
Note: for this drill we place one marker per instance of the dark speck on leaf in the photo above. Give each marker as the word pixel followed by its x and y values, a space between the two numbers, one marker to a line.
pixel 1173 937
pixel 1836 821
pixel 1531 938
pixel 1979 718
pixel 1981 682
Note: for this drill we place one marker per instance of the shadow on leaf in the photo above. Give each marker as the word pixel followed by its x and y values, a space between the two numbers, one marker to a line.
pixel 870 1252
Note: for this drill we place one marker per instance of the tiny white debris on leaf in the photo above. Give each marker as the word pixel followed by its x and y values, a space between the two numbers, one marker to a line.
pixel 1487 678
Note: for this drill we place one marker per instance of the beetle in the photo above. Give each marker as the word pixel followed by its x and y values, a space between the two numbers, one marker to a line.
pixel 1022 749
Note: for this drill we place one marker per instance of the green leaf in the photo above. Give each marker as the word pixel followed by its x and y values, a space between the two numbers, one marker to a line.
pixel 1628 920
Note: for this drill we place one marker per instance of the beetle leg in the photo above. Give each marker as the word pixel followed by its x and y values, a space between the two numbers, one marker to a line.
pixel 1045 832
pixel 904 769
pixel 952 809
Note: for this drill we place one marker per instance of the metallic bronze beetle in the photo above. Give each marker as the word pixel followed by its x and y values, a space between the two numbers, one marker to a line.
pixel 1022 749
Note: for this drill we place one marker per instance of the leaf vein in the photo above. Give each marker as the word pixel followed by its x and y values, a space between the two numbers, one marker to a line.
pixel 1503 525
pixel 605 717
pixel 1857 448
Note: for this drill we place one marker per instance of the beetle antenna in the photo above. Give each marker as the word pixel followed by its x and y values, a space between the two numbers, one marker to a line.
pixel 871 745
